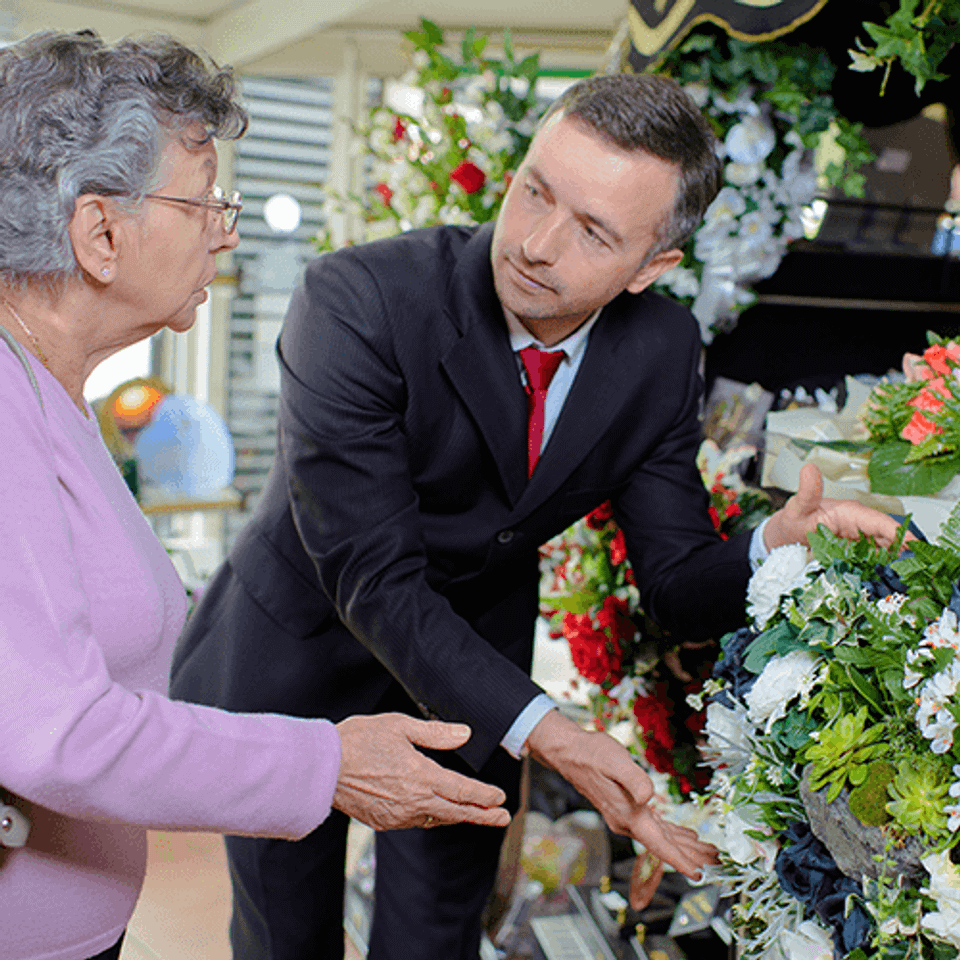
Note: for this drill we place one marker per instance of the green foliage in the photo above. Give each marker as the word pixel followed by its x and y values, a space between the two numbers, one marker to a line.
pixel 795 79
pixel 861 555
pixel 842 752
pixel 895 469
pixel 419 160
pixel 918 35
pixel 868 802
pixel 919 794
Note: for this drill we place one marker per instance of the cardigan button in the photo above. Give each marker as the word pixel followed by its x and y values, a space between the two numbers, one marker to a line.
pixel 504 536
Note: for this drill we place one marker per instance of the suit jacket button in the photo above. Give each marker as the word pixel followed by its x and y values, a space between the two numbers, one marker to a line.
pixel 504 536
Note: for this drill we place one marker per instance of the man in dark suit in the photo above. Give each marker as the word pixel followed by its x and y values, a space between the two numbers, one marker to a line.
pixel 392 563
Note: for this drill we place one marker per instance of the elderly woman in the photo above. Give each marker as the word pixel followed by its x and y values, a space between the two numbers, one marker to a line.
pixel 110 222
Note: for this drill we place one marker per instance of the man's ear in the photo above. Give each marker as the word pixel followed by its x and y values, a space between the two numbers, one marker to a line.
pixel 658 264
pixel 93 236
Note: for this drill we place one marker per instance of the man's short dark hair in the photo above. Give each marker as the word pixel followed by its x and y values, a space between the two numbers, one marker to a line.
pixel 652 113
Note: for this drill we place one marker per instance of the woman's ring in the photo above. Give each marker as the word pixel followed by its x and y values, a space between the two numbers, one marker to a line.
pixel 429 821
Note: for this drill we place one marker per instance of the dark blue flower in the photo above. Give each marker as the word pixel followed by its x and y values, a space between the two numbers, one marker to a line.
pixel 808 872
pixel 730 666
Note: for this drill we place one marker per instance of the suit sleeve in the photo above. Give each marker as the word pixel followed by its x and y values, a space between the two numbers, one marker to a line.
pixel 691 582
pixel 346 452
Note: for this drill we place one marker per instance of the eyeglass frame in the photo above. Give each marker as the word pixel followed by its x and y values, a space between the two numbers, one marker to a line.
pixel 232 204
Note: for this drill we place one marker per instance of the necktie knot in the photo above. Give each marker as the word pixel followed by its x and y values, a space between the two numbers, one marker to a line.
pixel 540 365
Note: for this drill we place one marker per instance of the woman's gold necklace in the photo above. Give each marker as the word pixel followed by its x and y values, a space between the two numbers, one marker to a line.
pixel 36 345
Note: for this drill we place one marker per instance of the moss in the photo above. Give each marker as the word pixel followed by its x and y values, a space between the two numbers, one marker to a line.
pixel 868 802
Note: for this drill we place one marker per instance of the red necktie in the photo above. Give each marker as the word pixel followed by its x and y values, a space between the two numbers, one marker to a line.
pixel 540 366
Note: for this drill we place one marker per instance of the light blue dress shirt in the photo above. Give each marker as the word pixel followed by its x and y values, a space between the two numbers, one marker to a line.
pixel 574 347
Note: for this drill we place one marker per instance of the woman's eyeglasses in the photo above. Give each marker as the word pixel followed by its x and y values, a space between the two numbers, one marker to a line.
pixel 229 207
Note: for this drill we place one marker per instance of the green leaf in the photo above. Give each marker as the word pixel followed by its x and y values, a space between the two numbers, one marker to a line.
pixel 529 67
pixel 890 474
pixel 767 646
pixel 433 33
pixel 508 46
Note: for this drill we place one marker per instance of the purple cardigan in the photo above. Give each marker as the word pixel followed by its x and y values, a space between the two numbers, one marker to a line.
pixel 90 607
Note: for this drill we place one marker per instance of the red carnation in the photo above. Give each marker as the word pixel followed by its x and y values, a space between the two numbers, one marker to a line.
pixel 653 717
pixel 399 129
pixel 734 510
pixel 469 176
pixel 385 192
pixel 598 517
pixel 618 549
pixel 596 657
pixel 714 516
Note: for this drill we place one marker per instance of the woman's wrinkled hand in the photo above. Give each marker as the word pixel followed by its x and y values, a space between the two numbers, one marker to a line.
pixel 388 784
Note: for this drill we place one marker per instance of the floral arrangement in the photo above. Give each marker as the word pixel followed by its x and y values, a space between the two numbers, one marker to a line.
pixel 451 161
pixel 831 728
pixel 635 675
pixel 919 34
pixel 770 105
pixel 914 427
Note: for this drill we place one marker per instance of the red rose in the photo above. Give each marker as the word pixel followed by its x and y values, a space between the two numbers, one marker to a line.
pixel 399 129
pixel 385 192
pixel 734 510
pixel 598 517
pixel 613 618
pixel 469 176
pixel 618 549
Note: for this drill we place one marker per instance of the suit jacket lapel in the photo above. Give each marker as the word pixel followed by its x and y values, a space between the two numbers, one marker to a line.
pixel 481 366
pixel 591 405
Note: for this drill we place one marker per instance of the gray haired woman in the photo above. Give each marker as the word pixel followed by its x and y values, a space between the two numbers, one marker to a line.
pixel 110 222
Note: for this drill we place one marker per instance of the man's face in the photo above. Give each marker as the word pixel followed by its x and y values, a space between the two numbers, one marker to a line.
pixel 575 227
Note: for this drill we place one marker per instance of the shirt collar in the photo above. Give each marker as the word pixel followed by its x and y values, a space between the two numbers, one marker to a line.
pixel 574 346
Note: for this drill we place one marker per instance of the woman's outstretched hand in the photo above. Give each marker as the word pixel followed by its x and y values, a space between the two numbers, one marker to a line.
pixel 388 784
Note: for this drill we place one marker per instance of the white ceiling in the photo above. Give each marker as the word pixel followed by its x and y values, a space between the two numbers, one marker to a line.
pixel 310 37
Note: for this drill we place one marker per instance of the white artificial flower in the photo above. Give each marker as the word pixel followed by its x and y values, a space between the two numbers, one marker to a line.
pixel 737 825
pixel 742 174
pixel 782 679
pixel 943 631
pixel 755 232
pixel 421 59
pixel 727 728
pixel 681 282
pixel 625 692
pixel 785 569
pixel 699 93
pixel 750 141
pixel 743 103
pixel 945 889
pixel 727 205
pixel 810 941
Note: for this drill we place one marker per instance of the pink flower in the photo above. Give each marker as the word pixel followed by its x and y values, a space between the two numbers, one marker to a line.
pixel 936 358
pixel 919 428
pixel 925 400
pixel 469 176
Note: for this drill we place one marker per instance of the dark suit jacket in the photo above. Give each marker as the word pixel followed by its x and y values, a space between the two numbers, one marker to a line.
pixel 396 542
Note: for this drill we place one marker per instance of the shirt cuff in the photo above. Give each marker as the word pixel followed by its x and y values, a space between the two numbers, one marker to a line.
pixel 514 742
pixel 758 549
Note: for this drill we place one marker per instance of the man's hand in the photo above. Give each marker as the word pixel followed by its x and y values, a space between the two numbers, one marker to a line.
pixel 389 785
pixel 807 508
pixel 605 773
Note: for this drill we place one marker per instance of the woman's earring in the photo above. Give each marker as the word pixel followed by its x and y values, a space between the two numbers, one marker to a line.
pixel 105 271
